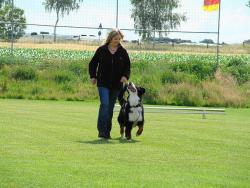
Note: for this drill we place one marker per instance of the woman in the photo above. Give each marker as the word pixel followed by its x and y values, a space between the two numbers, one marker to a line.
pixel 109 68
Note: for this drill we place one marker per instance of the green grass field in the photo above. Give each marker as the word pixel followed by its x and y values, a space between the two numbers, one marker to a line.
pixel 54 144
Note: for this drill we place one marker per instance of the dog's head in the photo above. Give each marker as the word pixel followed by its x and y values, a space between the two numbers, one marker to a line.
pixel 134 90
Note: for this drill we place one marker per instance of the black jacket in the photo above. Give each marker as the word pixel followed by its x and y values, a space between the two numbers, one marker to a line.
pixel 109 68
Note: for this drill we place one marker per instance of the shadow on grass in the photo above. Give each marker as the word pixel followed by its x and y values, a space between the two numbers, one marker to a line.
pixel 111 141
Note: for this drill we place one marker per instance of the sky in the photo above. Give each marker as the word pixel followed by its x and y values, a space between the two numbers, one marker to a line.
pixel 234 24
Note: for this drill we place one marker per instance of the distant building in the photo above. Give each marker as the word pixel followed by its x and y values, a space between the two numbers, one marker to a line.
pixel 246 42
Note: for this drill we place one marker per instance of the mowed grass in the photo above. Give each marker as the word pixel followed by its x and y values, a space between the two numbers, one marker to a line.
pixel 54 144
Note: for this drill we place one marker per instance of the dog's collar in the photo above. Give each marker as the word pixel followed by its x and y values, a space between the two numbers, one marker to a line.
pixel 138 105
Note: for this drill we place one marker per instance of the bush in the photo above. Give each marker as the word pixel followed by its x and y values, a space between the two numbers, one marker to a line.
pixel 3 85
pixel 63 77
pixel 68 88
pixel 187 95
pixel 24 73
pixel 239 69
pixel 178 77
pixel 203 70
pixel 78 69
pixel 36 90
pixel 151 94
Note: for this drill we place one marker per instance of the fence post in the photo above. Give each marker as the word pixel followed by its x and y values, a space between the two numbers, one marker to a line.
pixel 12 28
pixel 218 36
pixel 204 114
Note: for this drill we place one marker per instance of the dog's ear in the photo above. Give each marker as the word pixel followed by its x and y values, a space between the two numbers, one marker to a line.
pixel 140 91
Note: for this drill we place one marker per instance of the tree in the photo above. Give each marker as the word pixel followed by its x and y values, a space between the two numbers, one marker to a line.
pixel 61 7
pixel 207 41
pixel 150 15
pixel 12 16
pixel 2 2
pixel 248 4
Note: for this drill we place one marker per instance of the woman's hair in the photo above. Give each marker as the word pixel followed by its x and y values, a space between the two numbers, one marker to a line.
pixel 112 34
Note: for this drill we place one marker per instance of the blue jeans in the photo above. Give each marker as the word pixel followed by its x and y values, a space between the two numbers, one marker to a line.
pixel 107 98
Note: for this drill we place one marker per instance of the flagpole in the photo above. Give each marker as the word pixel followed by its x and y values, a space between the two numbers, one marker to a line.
pixel 218 37
pixel 117 8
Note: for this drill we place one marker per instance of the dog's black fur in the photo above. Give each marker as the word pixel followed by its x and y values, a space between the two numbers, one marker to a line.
pixel 131 112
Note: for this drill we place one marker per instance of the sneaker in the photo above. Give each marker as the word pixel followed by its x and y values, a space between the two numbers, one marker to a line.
pixel 102 138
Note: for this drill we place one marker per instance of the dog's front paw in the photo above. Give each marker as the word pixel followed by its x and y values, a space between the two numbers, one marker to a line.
pixel 138 133
pixel 128 138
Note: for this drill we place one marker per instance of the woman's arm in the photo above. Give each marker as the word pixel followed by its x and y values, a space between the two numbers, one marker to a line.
pixel 94 64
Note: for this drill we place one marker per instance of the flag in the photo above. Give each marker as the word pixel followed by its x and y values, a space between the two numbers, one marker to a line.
pixel 211 5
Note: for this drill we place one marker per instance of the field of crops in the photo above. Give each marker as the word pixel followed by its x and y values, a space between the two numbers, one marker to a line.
pixel 39 54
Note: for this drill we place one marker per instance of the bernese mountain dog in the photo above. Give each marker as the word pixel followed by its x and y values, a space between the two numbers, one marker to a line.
pixel 131 113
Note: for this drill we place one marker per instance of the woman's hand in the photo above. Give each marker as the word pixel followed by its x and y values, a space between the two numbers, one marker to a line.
pixel 124 79
pixel 93 81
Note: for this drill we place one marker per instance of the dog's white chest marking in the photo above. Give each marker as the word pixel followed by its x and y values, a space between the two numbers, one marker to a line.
pixel 135 114
pixel 133 99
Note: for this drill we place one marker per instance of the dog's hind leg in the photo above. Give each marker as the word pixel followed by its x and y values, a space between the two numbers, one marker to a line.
pixel 128 131
pixel 122 131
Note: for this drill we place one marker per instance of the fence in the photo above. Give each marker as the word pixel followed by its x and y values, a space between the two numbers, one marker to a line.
pixel 181 110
